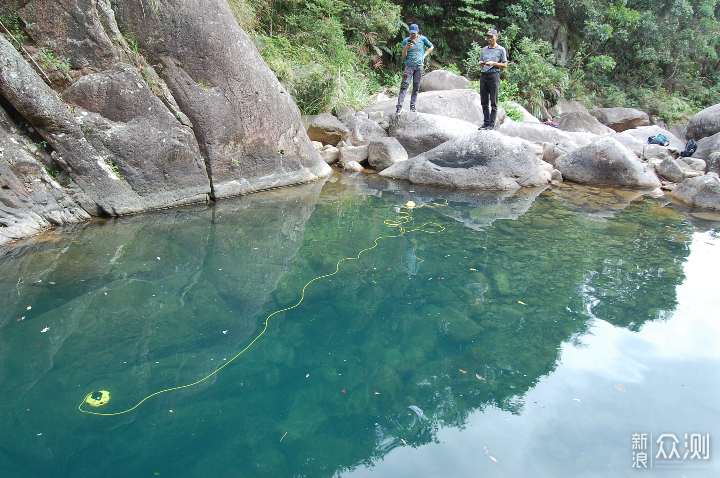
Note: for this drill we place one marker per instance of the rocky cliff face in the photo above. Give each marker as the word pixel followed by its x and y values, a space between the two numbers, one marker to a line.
pixel 138 106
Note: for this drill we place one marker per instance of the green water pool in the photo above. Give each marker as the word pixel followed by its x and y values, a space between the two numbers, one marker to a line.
pixel 549 325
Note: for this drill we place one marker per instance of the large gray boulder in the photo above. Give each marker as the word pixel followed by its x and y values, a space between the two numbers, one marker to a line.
pixel 480 160
pixel 363 130
pixel 30 199
pixel 247 126
pixel 231 113
pixel 552 151
pixel 620 119
pixel 350 153
pixel 440 80
pixel 420 132
pixel 580 122
pixel 527 117
pixel 535 133
pixel 642 133
pixel 606 162
pixel 670 170
pixel 91 169
pixel 459 104
pixel 707 146
pixel 384 152
pixel 567 106
pixel 703 124
pixel 713 163
pixel 630 142
pixel 327 129
pixel 702 191
pixel 155 154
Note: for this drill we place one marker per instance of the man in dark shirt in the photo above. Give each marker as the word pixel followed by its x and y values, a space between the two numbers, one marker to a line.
pixel 414 54
pixel 492 58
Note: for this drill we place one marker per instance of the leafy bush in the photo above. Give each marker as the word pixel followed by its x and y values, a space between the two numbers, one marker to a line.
pixel 50 62
pixel 9 18
pixel 540 83
pixel 312 92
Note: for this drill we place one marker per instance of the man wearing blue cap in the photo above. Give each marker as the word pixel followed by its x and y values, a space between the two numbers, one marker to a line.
pixel 414 53
pixel 492 58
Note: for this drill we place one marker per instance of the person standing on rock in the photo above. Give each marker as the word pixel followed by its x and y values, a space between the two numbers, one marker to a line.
pixel 492 58
pixel 414 54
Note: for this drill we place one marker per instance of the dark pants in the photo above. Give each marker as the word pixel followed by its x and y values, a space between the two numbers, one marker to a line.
pixel 489 89
pixel 414 72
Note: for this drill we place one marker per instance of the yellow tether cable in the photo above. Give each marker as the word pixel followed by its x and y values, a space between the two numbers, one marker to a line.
pixel 402 218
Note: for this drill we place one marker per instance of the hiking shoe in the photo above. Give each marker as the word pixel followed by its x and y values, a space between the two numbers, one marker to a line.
pixel 412 108
pixel 398 110
pixel 483 128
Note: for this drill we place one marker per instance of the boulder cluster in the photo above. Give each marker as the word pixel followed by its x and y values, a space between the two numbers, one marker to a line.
pixel 441 145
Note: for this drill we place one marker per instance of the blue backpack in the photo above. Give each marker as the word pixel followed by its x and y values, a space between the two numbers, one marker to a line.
pixel 660 139
pixel 690 149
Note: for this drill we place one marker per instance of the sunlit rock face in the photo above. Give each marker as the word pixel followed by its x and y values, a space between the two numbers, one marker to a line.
pixel 207 119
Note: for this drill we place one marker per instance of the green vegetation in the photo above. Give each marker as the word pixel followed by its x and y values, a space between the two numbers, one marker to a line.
pixel 11 25
pixel 54 173
pixel 203 83
pixel 663 57
pixel 50 62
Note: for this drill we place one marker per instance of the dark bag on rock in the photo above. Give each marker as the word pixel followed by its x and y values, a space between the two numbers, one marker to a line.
pixel 660 139
pixel 690 149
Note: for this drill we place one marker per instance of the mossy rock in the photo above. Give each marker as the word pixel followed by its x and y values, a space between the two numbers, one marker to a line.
pixel 459 326
pixel 502 284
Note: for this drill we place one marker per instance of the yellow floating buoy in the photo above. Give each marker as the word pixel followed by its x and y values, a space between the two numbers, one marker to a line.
pixel 98 399
pixel 410 204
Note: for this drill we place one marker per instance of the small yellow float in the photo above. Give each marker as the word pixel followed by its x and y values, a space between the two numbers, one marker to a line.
pixel 98 399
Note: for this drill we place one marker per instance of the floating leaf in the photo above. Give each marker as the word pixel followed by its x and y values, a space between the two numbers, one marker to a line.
pixel 480 378
pixel 521 302
pixel 463 371
pixel 493 459
pixel 540 405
